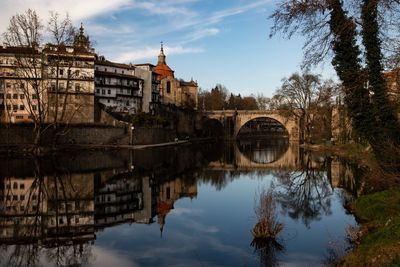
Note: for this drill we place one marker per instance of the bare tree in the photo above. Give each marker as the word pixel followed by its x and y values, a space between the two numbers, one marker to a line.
pixel 263 102
pixel 297 94
pixel 44 73
pixel 337 27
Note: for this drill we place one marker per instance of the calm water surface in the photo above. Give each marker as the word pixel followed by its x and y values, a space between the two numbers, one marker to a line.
pixel 177 206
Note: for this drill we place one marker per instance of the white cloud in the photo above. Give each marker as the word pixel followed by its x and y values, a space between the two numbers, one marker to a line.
pixel 165 8
pixel 152 52
pixel 77 9
pixel 220 15
pixel 202 33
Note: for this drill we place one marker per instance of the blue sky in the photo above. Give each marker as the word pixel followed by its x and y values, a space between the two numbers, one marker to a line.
pixel 211 41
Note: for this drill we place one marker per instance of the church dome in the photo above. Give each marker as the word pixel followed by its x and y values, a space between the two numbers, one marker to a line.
pixel 162 68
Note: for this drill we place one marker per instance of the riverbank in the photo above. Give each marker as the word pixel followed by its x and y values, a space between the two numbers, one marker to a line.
pixel 377 240
pixel 354 152
pixel 27 150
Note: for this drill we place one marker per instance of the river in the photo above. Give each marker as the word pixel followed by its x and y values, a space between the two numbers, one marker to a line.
pixel 190 205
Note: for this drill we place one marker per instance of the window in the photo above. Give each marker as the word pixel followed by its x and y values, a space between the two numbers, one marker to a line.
pixel 53 86
pixel 19 117
pixel 22 96
pixel 1 96
pixel 108 100
pixel 61 71
pixel 15 185
pixel 105 69
pixel 77 73
pixel 15 197
pixel 61 86
pixel 8 96
pixel 22 86
pixel 34 107
pixel 34 96
pixel 8 107
pixel 21 107
pixel 15 107
pixel 8 85
pixel 77 88
pixel 168 87
pixel 109 92
pixel 98 91
pixel 69 73
pixel 21 186
pixel 103 92
pixel 15 96
pixel 21 197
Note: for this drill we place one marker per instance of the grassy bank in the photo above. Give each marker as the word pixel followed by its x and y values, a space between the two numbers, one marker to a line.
pixel 377 240
pixel 379 235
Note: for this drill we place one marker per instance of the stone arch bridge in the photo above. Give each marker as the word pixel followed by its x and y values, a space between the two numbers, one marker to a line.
pixel 233 120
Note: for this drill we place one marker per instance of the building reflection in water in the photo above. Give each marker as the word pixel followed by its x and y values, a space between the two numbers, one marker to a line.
pixel 53 208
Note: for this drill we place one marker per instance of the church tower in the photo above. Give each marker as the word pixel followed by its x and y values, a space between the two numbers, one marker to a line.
pixel 162 69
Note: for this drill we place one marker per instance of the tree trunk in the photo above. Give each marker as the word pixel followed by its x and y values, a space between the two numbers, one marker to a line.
pixel 387 132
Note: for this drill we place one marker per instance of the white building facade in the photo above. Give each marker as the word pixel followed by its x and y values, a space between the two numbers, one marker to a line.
pixel 117 87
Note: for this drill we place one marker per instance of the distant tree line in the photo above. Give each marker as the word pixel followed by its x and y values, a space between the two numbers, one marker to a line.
pixel 220 98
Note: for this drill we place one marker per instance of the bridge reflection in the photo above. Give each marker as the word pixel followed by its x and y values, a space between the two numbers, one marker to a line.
pixel 274 153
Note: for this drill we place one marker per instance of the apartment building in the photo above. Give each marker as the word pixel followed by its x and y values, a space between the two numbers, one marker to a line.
pixel 54 83
pixel 117 86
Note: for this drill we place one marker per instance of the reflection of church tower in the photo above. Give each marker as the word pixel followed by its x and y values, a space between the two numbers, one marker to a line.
pixel 162 216
pixel 169 193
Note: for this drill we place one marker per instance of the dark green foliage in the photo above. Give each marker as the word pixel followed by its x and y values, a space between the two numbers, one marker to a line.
pixel 347 65
pixel 387 125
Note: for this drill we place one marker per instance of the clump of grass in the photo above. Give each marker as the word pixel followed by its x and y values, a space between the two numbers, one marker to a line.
pixel 268 226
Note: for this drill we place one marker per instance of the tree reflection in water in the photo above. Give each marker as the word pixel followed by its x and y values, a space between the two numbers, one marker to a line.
pixel 305 194
pixel 38 219
pixel 268 250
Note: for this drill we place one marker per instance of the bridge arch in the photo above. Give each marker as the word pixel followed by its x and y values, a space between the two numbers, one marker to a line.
pixel 261 121
pixel 241 117
pixel 289 123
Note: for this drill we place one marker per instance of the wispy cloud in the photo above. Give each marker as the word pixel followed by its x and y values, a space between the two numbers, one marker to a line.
pixel 165 7
pixel 152 52
pixel 228 12
pixel 77 9
pixel 200 34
